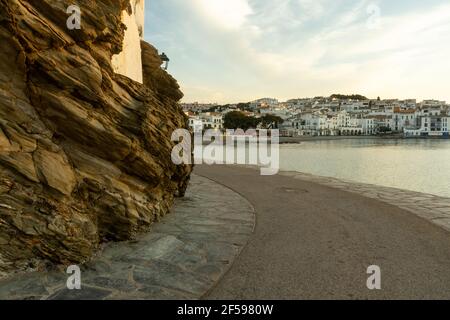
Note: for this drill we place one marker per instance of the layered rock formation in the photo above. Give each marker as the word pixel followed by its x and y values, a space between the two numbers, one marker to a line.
pixel 84 152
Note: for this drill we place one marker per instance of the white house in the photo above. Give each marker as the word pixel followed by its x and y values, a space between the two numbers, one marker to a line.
pixel 438 125
pixel 403 118
pixel 196 124
pixel 129 61
pixel 283 113
pixel 212 120
pixel 368 126
pixel 312 124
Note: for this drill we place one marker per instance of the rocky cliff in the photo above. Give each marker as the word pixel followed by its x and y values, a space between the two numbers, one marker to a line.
pixel 84 152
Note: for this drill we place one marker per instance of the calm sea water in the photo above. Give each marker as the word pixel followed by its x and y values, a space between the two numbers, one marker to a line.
pixel 418 165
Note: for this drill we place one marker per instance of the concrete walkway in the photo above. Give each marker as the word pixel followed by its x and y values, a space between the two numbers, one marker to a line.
pixel 316 241
pixel 182 257
pixel 430 207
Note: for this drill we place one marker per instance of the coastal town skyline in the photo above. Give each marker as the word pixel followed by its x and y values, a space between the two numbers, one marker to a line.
pixel 337 115
pixel 281 100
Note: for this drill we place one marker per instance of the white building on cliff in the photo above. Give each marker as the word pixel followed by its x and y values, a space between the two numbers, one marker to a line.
pixel 129 61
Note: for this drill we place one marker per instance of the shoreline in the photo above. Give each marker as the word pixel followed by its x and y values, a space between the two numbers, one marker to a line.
pixel 294 140
pixel 325 178
pixel 300 139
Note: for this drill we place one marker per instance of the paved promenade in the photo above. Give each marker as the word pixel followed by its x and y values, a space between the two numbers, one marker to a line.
pixel 182 257
pixel 313 238
pixel 430 207
pixel 316 237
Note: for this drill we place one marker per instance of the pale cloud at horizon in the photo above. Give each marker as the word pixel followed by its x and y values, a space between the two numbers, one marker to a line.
pixel 239 50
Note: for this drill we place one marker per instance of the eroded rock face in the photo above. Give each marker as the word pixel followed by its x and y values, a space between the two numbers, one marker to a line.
pixel 84 152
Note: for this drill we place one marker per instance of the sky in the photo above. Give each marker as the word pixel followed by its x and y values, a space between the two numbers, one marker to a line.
pixel 226 51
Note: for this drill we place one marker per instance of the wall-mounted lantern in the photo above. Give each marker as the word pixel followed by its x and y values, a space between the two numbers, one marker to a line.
pixel 165 59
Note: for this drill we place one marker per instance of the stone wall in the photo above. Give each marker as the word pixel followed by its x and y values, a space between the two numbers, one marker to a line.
pixel 84 151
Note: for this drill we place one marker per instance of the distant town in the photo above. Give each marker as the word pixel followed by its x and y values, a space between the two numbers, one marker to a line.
pixel 337 115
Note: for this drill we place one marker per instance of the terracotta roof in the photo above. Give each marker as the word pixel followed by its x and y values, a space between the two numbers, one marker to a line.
pixel 408 111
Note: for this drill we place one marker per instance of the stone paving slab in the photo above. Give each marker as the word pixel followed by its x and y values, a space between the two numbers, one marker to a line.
pixel 430 207
pixel 182 257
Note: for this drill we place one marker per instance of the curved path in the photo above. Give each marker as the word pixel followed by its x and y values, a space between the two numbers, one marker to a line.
pixel 316 242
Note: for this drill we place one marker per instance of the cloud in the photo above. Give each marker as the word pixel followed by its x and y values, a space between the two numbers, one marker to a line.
pixel 229 14
pixel 242 49
pixel 312 8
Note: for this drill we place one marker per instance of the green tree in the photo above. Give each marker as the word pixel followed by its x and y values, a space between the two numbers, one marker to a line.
pixel 384 129
pixel 345 97
pixel 238 120
pixel 270 119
